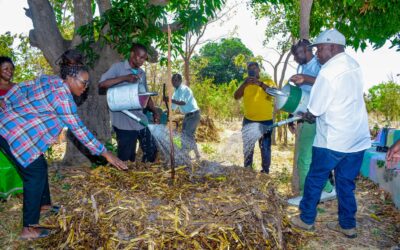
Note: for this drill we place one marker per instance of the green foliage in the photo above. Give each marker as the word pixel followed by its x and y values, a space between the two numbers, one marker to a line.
pixel 219 60
pixel 277 27
pixel 208 149
pixel 217 100
pixel 384 98
pixel 29 62
pixel 137 21
pixel 359 20
pixel 63 10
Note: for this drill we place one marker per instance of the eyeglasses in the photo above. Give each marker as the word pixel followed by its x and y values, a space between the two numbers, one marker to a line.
pixel 85 82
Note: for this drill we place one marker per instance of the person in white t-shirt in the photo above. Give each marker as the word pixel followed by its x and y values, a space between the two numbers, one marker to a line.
pixel 337 106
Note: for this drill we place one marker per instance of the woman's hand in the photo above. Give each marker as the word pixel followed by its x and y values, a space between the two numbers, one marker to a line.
pixel 115 161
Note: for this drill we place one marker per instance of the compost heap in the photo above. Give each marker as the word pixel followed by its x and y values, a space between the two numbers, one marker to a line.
pixel 205 208
pixel 207 131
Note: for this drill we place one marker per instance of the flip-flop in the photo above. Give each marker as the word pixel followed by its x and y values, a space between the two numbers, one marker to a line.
pixel 53 210
pixel 43 234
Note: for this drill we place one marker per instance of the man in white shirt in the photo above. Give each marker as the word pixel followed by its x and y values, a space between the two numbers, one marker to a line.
pixel 307 72
pixel 337 105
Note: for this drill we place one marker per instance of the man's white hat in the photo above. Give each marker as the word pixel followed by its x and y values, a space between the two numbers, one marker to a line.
pixel 331 36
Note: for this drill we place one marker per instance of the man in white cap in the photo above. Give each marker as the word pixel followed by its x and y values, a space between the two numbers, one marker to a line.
pixel 337 105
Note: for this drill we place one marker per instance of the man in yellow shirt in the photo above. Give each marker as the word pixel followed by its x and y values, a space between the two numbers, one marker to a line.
pixel 258 107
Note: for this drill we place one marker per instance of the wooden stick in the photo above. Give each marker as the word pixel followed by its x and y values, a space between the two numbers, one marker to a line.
pixel 169 89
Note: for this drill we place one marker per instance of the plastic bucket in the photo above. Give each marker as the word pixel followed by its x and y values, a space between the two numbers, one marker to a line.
pixel 295 101
pixel 126 97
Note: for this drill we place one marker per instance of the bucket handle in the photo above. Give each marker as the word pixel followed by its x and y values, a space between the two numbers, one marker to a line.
pixel 134 117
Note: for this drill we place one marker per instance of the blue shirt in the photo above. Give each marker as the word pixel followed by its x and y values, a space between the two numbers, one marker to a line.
pixel 311 68
pixel 185 94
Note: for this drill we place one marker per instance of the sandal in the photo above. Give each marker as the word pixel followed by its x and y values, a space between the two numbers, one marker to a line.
pixel 42 234
pixel 53 210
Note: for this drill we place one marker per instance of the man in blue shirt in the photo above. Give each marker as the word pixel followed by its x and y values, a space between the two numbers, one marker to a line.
pixel 307 72
pixel 184 100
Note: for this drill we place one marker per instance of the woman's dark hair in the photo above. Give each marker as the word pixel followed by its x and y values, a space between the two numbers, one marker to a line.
pixel 6 59
pixel 71 63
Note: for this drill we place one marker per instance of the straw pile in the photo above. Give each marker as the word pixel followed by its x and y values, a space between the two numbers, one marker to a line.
pixel 207 131
pixel 216 208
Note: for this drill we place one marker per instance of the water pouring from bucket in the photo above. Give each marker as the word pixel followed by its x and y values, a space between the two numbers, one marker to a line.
pixel 291 99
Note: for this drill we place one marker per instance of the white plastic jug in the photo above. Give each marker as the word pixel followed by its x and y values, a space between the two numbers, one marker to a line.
pixel 125 97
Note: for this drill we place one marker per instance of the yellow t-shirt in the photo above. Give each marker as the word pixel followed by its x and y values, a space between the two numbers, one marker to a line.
pixel 258 105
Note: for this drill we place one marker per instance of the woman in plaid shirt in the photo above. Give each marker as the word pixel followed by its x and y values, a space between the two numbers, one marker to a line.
pixel 32 116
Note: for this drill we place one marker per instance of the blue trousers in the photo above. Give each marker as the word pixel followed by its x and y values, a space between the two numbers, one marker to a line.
pixel 265 147
pixel 346 167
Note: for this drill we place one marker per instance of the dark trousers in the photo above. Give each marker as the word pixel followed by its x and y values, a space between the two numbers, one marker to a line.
pixel 190 123
pixel 265 147
pixel 127 140
pixel 36 185
pixel 346 167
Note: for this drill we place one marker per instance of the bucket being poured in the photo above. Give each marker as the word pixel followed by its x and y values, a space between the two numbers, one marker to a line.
pixel 292 99
pixel 125 97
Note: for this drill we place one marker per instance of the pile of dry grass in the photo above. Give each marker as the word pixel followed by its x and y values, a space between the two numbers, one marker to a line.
pixel 207 131
pixel 227 208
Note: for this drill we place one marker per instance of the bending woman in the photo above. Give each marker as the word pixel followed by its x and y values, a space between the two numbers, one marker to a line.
pixel 32 116
pixel 10 181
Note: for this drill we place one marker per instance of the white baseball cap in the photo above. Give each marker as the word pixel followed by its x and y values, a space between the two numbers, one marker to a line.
pixel 331 36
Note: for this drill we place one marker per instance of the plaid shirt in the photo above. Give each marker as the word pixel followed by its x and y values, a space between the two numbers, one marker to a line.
pixel 35 113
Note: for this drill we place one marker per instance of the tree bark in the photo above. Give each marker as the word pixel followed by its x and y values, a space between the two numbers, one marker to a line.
pixel 305 11
pixel 186 70
pixel 46 36
pixel 93 110
pixel 82 16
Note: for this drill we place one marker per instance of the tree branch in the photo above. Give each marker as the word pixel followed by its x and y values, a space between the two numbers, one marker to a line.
pixel 82 16
pixel 104 5
pixel 158 2
pixel 174 27
pixel 45 34
pixel 284 69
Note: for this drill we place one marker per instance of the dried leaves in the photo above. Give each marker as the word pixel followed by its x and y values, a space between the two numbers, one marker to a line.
pixel 228 208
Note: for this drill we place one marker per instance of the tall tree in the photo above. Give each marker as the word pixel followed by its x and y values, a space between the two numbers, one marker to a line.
pixel 219 58
pixel 356 19
pixel 194 39
pixel 106 37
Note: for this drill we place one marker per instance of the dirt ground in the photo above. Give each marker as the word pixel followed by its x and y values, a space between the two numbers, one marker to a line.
pixel 378 220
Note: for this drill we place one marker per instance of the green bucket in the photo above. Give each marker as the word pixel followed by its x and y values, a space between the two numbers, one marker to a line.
pixel 295 100
pixel 10 181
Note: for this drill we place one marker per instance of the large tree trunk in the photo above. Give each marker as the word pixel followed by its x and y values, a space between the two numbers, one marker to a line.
pixel 305 11
pixel 93 110
pixel 93 107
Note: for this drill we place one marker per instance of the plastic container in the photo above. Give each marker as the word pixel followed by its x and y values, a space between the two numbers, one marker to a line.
pixel 294 101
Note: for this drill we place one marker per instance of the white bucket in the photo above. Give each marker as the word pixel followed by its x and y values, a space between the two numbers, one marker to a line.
pixel 295 101
pixel 126 97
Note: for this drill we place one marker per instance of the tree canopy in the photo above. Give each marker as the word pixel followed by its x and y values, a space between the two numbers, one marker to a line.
pixel 384 98
pixel 360 21
pixel 219 60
